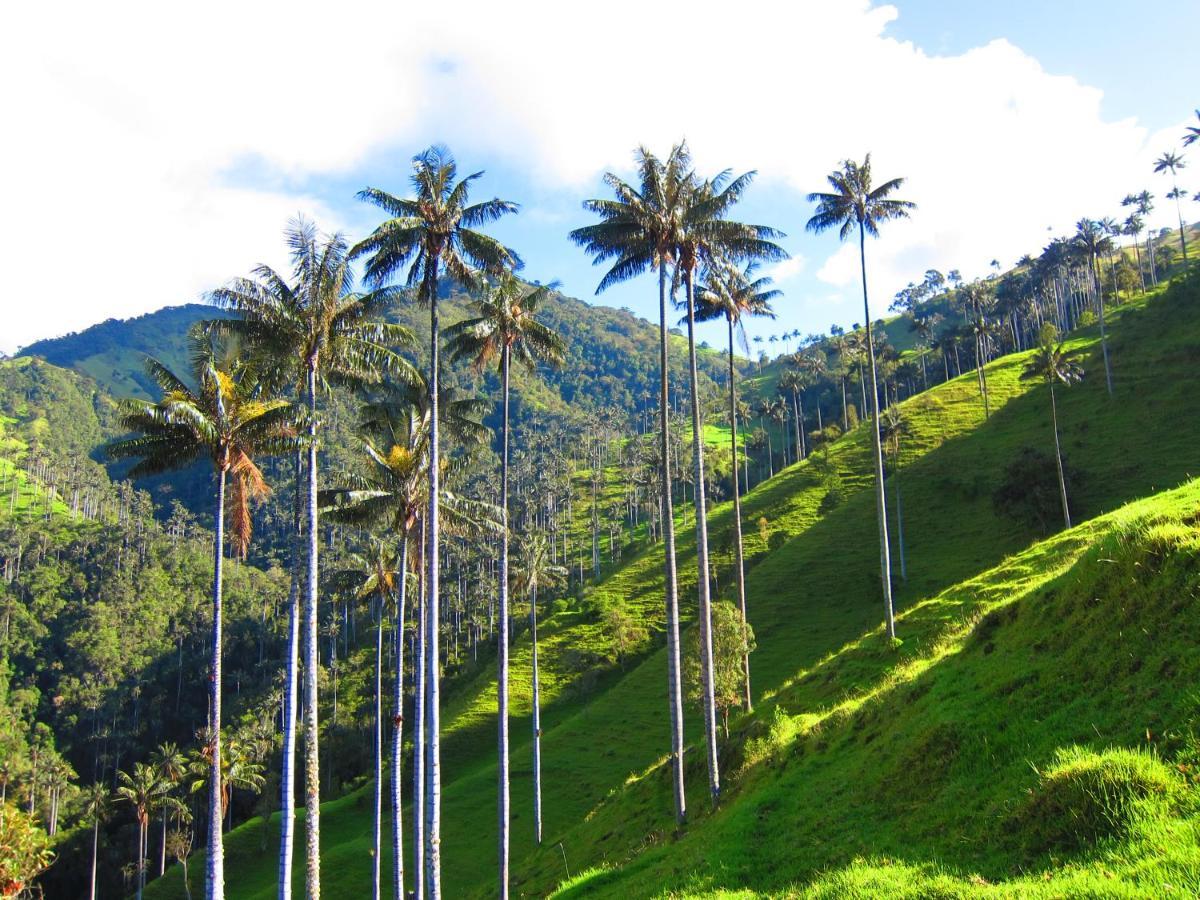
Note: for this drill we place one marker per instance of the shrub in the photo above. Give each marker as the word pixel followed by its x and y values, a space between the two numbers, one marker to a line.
pixel 1028 492
pixel 1085 797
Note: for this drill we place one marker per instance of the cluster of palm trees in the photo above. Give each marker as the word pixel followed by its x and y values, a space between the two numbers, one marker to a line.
pixel 257 381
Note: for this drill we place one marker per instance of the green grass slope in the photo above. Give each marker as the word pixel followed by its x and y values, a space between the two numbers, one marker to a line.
pixel 813 594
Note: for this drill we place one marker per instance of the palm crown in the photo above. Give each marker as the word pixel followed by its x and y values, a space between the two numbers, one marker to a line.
pixel 855 202
pixel 732 293
pixel 507 320
pixel 225 418
pixel 436 227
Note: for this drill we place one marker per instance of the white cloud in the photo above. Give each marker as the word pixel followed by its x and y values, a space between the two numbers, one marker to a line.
pixel 125 121
pixel 786 270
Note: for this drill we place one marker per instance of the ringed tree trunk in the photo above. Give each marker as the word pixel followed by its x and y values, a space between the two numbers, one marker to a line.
pixel 378 823
pixel 739 553
pixel 214 862
pixel 433 752
pixel 287 780
pixel 398 730
pixel 537 721
pixel 1103 338
pixel 1062 481
pixel 95 854
pixel 418 803
pixel 504 800
pixel 798 420
pixel 703 580
pixel 674 686
pixel 312 766
pixel 885 562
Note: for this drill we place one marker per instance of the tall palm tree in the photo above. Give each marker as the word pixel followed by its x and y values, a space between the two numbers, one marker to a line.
pixel 390 492
pixel 434 231
pixel 1050 364
pixel 171 763
pixel 506 328
pixel 1145 206
pixel 313 332
pixel 856 203
pixel 141 790
pixel 639 230
pixel 1133 227
pixel 895 426
pixel 536 569
pixel 1172 162
pixel 1092 239
pixel 791 382
pixel 226 418
pixel 96 809
pixel 706 236
pixel 732 293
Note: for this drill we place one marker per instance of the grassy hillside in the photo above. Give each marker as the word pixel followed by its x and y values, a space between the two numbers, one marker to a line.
pixel 813 592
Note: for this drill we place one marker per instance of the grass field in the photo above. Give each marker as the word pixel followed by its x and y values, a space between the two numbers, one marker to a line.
pixel 821 666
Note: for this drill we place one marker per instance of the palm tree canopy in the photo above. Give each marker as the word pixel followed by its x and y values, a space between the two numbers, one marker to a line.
pixel 640 229
pixel 1193 132
pixel 227 417
pixel 707 237
pixel 1169 162
pixel 315 320
pixel 1051 364
pixel 435 227
pixel 507 318
pixel 854 201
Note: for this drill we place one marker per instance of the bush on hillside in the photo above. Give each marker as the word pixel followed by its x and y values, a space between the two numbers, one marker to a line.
pixel 1028 491
pixel 1085 797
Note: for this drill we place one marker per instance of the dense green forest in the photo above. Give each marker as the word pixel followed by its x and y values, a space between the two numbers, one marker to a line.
pixel 298 584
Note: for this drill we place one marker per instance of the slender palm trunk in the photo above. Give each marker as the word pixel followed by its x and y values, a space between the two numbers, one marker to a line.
pixel 885 562
pixel 1103 337
pixel 398 731
pixel 537 722
pixel 162 856
pixel 418 802
pixel 845 407
pixel 739 553
pixel 1182 235
pixel 900 521
pixel 503 800
pixel 703 580
pixel 1137 249
pixel 1062 481
pixel 378 823
pixel 798 421
pixel 312 767
pixel 141 872
pixel 95 855
pixel 287 779
pixel 433 749
pixel 214 863
pixel 674 687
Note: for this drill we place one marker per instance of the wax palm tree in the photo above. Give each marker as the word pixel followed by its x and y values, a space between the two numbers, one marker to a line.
pixel 792 384
pixel 226 418
pixel 856 203
pixel 434 231
pixel 762 409
pixel 536 570
pixel 313 332
pixel 171 763
pixel 96 810
pixel 1192 134
pixel 639 230
pixel 1050 364
pixel 1092 240
pixel 895 427
pixel 1172 162
pixel 390 492
pixel 732 293
pixel 506 328
pixel 1145 205
pixel 1133 227
pixel 141 790
pixel 376 577
pixel 813 365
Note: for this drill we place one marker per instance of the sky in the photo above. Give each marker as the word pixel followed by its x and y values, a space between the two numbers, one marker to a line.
pixel 153 151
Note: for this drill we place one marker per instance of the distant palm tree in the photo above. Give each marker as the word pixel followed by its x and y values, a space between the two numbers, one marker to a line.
pixel 141 790
pixel 1145 206
pixel 1133 227
pixel 311 332
pixel 436 230
pixel 763 409
pixel 791 382
pixel 1193 132
pixel 96 809
pixel 225 418
pixel 506 328
pixel 536 570
pixel 1092 239
pixel 895 426
pixel 1172 162
pixel 731 293
pixel 171 764
pixel 639 230
pixel 1050 364
pixel 812 364
pixel 856 202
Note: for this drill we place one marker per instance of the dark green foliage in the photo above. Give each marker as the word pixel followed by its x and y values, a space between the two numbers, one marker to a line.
pixel 1028 490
